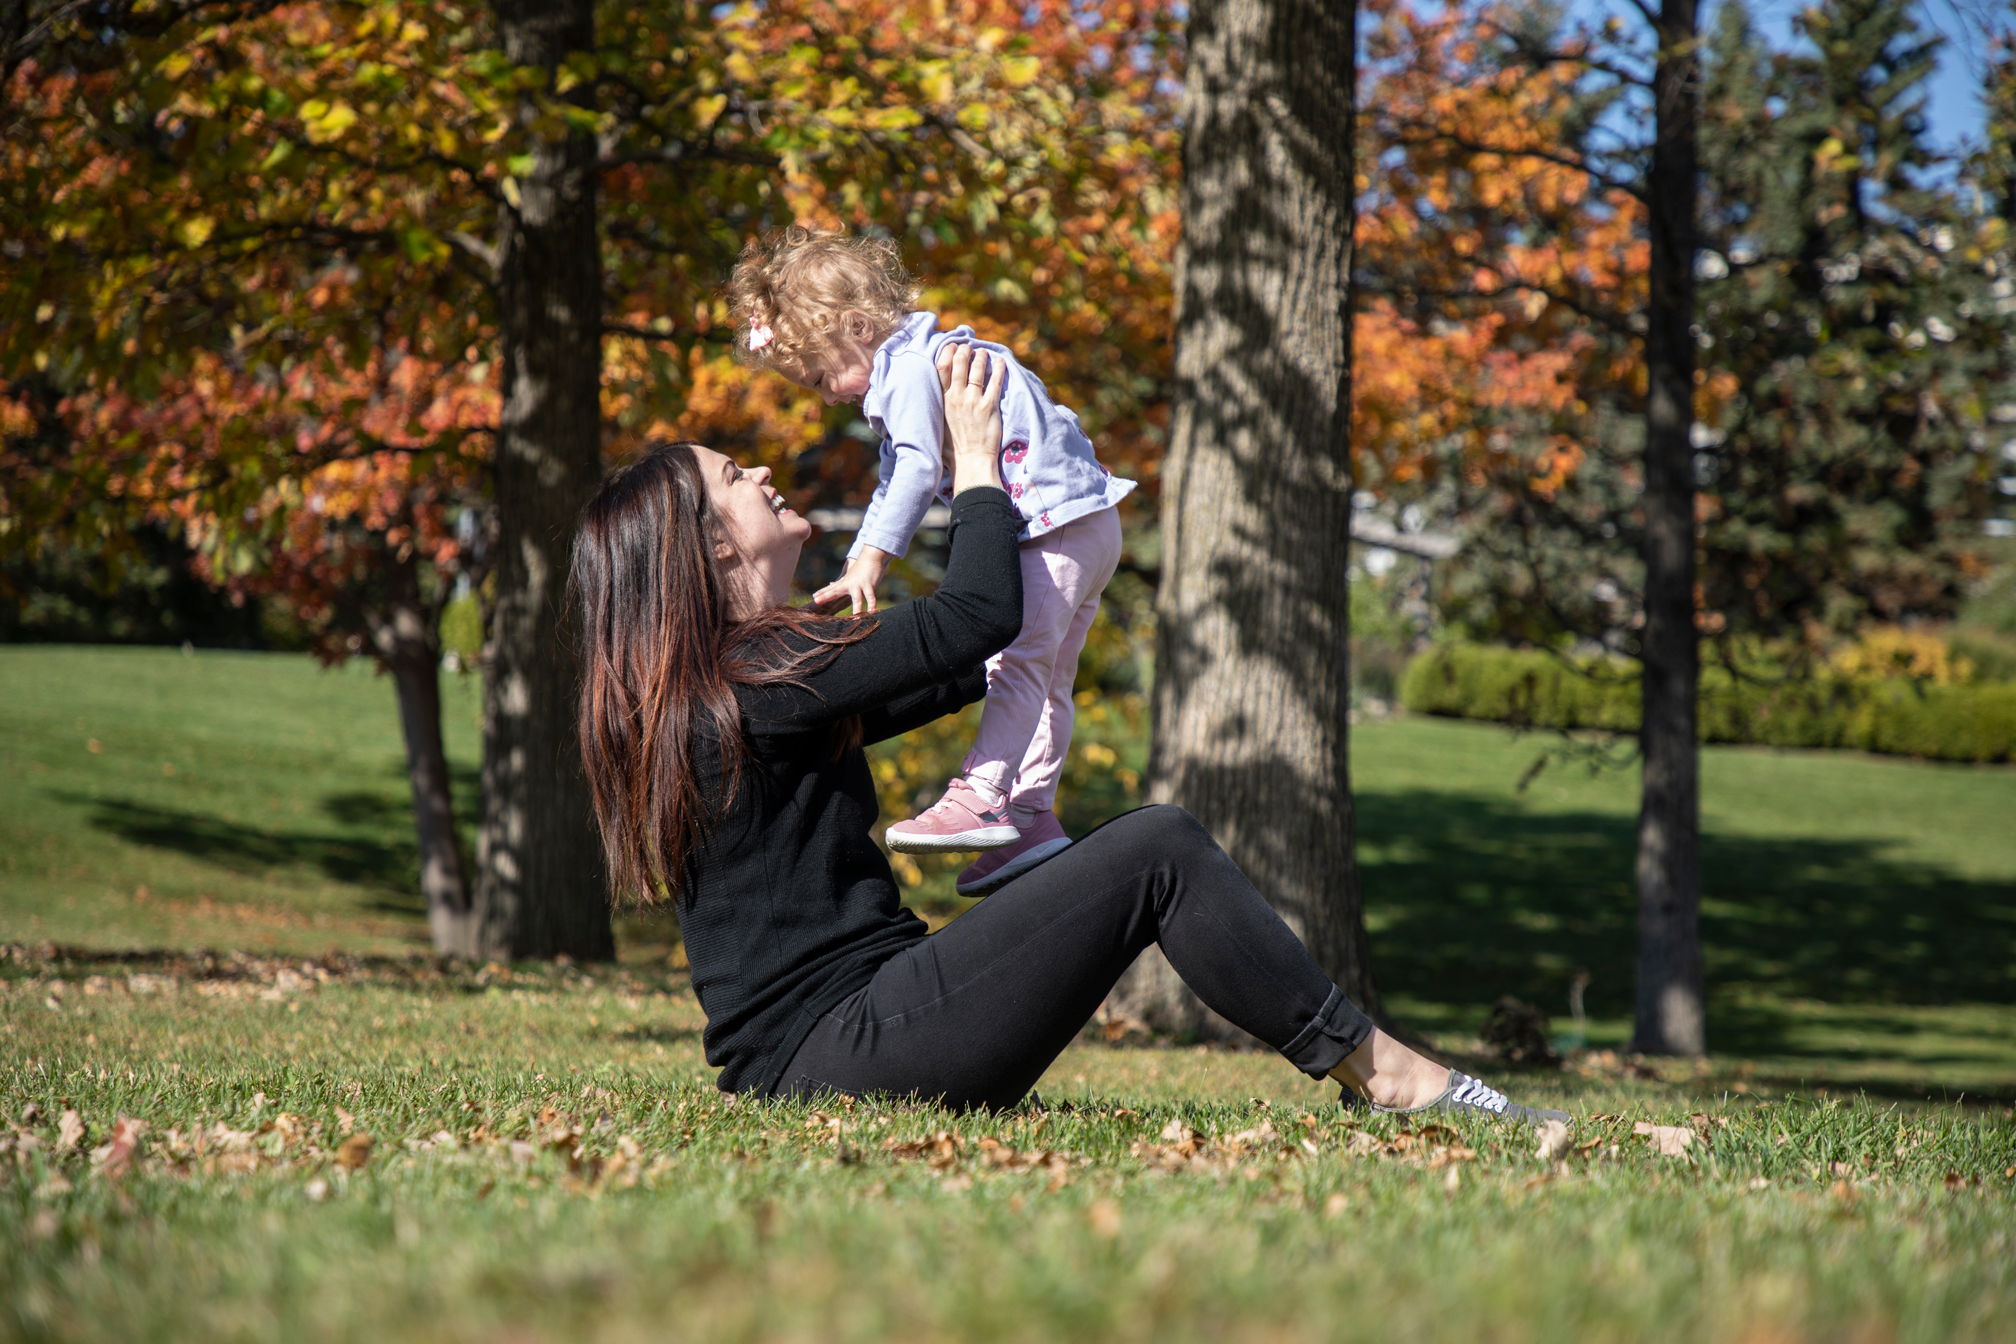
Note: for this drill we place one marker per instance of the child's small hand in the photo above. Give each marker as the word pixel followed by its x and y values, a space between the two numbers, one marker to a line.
pixel 857 583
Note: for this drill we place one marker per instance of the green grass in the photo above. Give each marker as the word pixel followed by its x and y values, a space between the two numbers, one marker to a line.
pixel 1860 912
pixel 493 1204
pixel 1858 915
pixel 232 800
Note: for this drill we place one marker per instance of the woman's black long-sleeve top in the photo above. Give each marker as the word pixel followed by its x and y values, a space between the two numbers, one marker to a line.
pixel 789 906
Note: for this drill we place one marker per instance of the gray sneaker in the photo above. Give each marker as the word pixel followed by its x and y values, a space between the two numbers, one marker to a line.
pixel 1465 1093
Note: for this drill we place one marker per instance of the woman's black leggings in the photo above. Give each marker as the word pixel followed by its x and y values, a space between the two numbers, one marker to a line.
pixel 974 1014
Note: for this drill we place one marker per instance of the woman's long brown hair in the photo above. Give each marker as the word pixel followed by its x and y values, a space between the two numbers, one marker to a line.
pixel 661 659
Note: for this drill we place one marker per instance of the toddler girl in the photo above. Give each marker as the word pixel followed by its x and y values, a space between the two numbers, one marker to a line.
pixel 834 313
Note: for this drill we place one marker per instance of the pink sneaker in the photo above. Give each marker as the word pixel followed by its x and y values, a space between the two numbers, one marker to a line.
pixel 960 820
pixel 1044 839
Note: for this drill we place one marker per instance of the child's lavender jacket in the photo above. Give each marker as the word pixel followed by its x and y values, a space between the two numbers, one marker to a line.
pixel 1047 463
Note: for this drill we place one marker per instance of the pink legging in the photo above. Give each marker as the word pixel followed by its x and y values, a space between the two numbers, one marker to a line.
pixel 1025 729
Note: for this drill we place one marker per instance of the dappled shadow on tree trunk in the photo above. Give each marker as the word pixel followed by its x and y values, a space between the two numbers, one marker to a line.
pixel 1252 639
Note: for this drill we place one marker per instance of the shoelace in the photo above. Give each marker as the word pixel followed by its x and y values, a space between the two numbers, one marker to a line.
pixel 1473 1092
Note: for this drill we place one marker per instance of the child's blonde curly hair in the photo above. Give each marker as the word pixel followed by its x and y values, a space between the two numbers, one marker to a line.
pixel 792 289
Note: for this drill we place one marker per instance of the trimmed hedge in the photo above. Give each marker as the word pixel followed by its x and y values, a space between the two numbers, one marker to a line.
pixel 1898 718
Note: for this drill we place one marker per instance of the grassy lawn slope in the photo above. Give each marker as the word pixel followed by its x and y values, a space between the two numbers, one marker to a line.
pixel 238 1101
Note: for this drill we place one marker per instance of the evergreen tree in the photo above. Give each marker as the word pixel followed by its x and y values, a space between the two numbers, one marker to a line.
pixel 1994 167
pixel 1844 308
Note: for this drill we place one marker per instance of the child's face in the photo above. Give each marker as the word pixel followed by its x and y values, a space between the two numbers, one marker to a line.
pixel 840 375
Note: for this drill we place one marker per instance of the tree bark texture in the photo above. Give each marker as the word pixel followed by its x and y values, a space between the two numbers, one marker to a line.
pixel 1670 1017
pixel 405 634
pixel 542 890
pixel 1253 612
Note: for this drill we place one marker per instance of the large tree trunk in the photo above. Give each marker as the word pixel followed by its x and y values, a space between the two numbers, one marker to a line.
pixel 541 892
pixel 406 638
pixel 1251 657
pixel 1670 1013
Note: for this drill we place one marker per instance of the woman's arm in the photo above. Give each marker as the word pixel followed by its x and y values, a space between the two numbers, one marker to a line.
pixel 922 707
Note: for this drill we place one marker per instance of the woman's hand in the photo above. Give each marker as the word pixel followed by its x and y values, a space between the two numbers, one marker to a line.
pixel 972 384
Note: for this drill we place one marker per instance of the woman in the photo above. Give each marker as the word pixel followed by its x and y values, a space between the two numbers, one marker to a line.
pixel 722 735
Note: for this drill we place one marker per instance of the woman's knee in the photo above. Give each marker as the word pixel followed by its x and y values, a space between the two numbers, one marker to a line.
pixel 1161 830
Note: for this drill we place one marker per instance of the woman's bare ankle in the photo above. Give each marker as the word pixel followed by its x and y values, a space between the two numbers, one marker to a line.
pixel 1387 1073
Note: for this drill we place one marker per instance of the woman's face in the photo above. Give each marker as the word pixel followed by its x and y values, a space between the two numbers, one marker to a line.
pixel 764 535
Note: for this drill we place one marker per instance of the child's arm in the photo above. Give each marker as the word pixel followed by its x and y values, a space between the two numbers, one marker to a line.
pixel 865 564
pixel 914 419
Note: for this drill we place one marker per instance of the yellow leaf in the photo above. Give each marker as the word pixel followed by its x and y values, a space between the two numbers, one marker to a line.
pixel 176 65
pixel 938 87
pixel 893 118
pixel 1019 70
pixel 707 110
pixel 332 123
pixel 196 231
pixel 974 117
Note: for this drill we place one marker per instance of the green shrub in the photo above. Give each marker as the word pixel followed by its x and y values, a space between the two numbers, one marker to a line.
pixel 462 630
pixel 1539 690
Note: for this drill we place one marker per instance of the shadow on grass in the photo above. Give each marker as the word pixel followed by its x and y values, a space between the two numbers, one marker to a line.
pixel 388 868
pixel 653 1034
pixel 1472 898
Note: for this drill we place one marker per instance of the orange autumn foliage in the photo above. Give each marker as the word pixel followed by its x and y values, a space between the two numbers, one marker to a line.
pixel 1493 272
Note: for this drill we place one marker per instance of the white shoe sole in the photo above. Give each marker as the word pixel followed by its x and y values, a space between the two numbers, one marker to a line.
pixel 1013 869
pixel 958 842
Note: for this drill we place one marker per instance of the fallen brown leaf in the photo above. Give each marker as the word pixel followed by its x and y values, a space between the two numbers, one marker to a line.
pixel 115 1158
pixel 1554 1141
pixel 68 1131
pixel 1667 1140
pixel 354 1152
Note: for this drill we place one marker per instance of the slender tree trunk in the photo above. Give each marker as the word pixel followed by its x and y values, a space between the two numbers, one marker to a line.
pixel 442 878
pixel 407 640
pixel 1252 642
pixel 1671 1019
pixel 541 892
